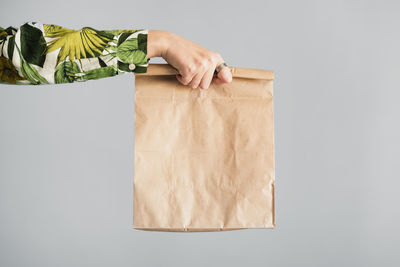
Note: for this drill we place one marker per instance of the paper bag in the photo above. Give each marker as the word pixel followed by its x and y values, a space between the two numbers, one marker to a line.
pixel 204 159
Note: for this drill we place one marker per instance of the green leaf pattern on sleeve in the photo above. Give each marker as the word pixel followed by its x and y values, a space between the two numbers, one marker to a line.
pixel 46 54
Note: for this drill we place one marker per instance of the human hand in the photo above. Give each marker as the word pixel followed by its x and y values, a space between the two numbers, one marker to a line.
pixel 195 64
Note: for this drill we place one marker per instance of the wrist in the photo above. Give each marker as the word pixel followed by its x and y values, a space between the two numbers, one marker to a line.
pixel 157 43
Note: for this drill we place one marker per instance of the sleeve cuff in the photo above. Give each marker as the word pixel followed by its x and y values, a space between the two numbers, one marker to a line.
pixel 132 51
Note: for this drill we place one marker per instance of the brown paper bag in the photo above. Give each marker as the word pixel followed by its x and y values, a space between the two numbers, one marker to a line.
pixel 204 159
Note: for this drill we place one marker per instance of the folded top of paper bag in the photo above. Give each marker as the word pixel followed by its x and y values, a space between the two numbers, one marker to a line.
pixel 165 69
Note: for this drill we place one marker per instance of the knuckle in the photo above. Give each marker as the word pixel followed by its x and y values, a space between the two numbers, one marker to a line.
pixel 185 81
pixel 190 69
pixel 199 63
pixel 205 63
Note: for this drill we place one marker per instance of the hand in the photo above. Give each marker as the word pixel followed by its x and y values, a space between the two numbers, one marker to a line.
pixel 195 64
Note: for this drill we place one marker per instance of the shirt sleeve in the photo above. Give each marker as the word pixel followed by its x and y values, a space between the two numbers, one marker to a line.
pixel 38 53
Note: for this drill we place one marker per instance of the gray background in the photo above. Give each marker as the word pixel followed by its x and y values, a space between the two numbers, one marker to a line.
pixel 66 151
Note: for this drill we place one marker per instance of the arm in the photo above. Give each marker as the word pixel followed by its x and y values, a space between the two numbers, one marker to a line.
pixel 45 54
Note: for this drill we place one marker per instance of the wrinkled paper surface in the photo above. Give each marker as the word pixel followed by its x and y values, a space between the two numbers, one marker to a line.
pixel 204 159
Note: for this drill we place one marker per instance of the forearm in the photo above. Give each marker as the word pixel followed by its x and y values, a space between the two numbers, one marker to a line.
pixel 46 53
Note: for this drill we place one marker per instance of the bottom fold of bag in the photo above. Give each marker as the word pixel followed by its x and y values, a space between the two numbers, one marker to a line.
pixel 196 229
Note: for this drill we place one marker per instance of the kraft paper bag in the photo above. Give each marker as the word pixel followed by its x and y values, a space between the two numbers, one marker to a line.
pixel 204 159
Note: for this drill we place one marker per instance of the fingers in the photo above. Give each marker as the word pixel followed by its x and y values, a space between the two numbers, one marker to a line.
pixel 182 80
pixel 202 72
pixel 207 78
pixel 185 80
pixel 217 81
pixel 225 75
pixel 197 79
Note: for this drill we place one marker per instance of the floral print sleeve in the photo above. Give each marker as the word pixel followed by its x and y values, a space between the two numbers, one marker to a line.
pixel 38 53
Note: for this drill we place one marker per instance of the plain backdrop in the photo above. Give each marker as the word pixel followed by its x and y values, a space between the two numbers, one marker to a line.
pixel 66 151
